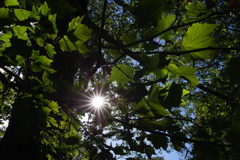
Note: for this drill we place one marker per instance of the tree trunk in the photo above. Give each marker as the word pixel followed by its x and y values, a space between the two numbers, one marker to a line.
pixel 22 139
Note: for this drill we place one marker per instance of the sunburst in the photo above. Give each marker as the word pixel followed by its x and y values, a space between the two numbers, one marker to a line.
pixel 97 101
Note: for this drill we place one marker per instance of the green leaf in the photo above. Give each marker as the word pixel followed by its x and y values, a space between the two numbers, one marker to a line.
pixel 130 38
pixel 45 78
pixel 158 141
pixel 115 53
pixel 172 98
pixel 66 45
pixel 158 110
pixel 20 59
pixel 40 42
pixel 81 47
pixel 161 73
pixel 11 3
pixel 154 93
pixel 185 72
pixel 74 23
pixel 195 9
pixel 22 14
pixel 151 63
pixel 54 106
pixel 20 31
pixel 197 37
pixel 149 150
pixel 52 121
pixel 4 13
pixel 82 32
pixel 143 109
pixel 42 63
pixel 44 9
pixel 163 24
pixel 6 37
pixel 50 50
pixel 46 110
pixel 189 74
pixel 122 74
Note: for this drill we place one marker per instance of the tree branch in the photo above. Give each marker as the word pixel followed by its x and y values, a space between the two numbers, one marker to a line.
pixel 100 38
pixel 189 51
pixel 169 135
pixel 171 28
pixel 208 90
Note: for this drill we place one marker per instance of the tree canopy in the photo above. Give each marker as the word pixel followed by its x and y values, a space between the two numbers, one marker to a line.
pixel 167 72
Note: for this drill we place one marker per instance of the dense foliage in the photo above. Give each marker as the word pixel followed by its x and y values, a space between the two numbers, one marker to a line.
pixel 167 69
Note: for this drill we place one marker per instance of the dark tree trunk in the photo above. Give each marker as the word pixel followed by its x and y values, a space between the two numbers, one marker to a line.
pixel 22 139
pixel 24 135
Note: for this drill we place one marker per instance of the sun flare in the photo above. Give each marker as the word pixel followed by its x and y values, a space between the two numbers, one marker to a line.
pixel 98 102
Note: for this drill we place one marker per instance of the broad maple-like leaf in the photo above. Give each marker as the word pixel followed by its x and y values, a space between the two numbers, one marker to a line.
pixel 122 74
pixel 197 37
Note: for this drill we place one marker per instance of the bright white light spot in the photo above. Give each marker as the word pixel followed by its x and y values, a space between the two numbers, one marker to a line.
pixel 98 102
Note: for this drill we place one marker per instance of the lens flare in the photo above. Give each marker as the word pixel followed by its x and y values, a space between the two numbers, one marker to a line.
pixel 98 101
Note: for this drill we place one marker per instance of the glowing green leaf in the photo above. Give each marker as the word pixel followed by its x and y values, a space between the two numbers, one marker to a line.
pixel 122 74
pixel 163 24
pixel 197 37
pixel 194 9
pixel 44 9
pixel 22 14
pixel 4 13
pixel 50 50
pixel 188 73
pixel 11 3
pixel 52 121
pixel 82 32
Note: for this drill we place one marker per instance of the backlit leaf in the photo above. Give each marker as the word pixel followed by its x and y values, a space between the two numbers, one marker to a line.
pixel 50 50
pixel 122 74
pixel 189 74
pixel 11 3
pixel 197 37
pixel 4 13
pixel 44 9
pixel 22 14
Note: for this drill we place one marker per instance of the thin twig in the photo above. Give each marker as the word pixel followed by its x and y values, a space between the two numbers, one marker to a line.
pixel 100 39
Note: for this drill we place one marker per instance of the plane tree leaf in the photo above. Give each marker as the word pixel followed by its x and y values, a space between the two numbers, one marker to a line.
pixel 50 50
pixel 171 95
pixel 11 3
pixel 164 23
pixel 158 141
pixel 197 37
pixel 189 74
pixel 22 14
pixel 4 13
pixel 122 74
pixel 185 72
pixel 195 11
